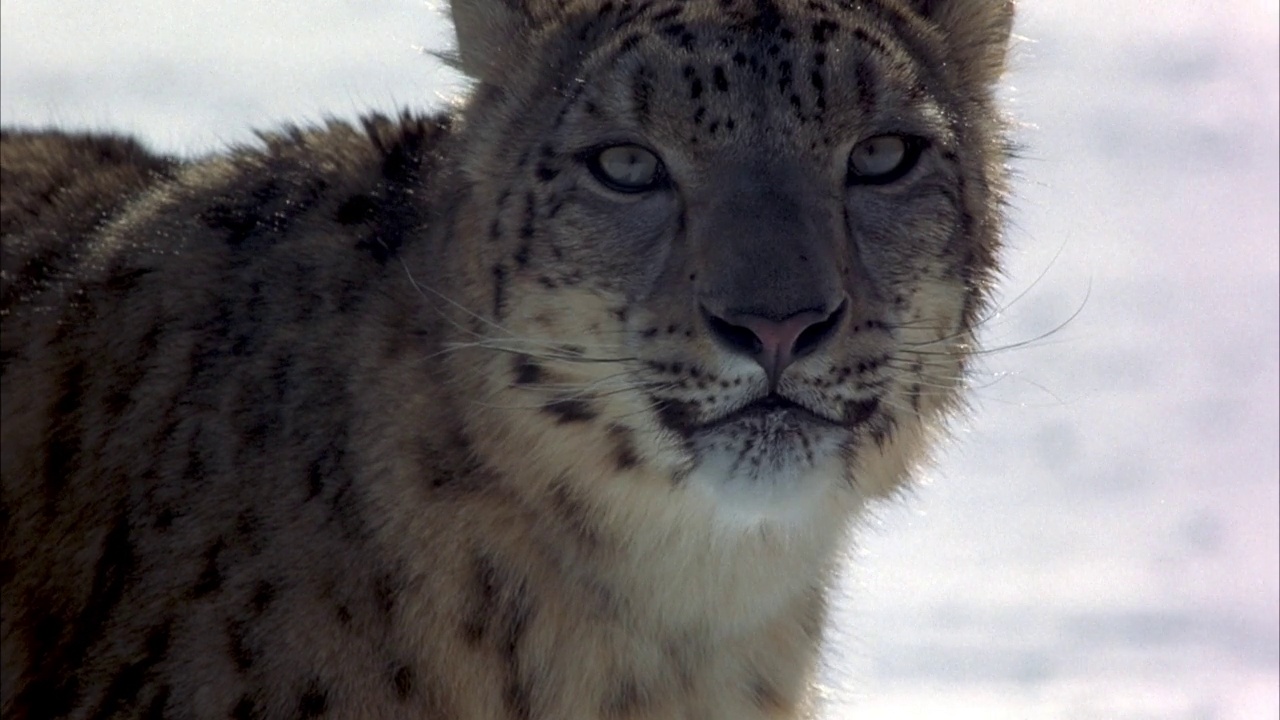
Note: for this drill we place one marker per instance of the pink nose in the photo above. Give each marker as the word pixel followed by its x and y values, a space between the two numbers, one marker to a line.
pixel 775 344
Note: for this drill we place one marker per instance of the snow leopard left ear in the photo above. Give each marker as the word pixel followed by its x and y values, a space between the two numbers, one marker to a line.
pixel 486 30
pixel 977 33
pixel 492 33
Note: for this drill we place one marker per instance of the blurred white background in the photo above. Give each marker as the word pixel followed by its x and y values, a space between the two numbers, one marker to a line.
pixel 1102 537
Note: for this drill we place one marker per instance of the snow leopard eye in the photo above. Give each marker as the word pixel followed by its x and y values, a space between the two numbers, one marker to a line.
pixel 626 168
pixel 883 159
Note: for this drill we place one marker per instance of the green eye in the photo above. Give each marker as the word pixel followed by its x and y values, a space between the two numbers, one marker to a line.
pixel 626 168
pixel 883 159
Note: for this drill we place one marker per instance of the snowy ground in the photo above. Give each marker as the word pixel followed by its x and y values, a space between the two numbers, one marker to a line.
pixel 1102 539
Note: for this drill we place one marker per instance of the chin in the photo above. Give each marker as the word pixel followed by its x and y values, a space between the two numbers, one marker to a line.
pixel 774 469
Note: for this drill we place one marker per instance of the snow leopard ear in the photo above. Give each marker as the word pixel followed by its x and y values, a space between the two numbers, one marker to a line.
pixel 486 29
pixel 491 32
pixel 977 33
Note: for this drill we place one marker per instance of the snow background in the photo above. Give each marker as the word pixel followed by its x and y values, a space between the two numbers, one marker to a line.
pixel 1102 537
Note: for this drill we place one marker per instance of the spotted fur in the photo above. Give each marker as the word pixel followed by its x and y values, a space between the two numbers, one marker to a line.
pixel 425 418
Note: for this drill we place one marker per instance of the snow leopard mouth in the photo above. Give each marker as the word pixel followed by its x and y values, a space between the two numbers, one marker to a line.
pixel 771 414
pixel 773 408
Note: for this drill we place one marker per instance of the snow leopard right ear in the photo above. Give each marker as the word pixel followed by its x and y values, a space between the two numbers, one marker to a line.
pixel 492 32
pixel 977 33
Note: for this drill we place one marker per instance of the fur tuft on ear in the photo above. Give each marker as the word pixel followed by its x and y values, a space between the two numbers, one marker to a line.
pixel 977 32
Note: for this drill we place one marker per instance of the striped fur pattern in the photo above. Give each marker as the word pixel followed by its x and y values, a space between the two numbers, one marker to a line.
pixel 464 417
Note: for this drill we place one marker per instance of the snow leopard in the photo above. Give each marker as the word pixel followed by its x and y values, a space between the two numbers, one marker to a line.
pixel 559 403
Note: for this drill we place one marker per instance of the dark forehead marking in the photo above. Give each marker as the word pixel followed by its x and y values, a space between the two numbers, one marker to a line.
pixel 754 34
pixel 759 17
pixel 721 81
pixel 641 94
pixel 916 36
pixel 866 88
pixel 768 17
pixel 680 34
pixel 872 43
pixel 671 12
pixel 822 30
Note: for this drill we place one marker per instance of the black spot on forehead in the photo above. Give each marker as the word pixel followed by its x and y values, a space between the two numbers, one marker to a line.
pixel 870 42
pixel 642 93
pixel 243 655
pixel 314 700
pixel 402 681
pixel 768 17
pixel 719 78
pixel 246 709
pixel 681 35
pixel 866 84
pixel 210 579
pixel 263 594
pixel 822 30
pixel 669 13
pixel 630 42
